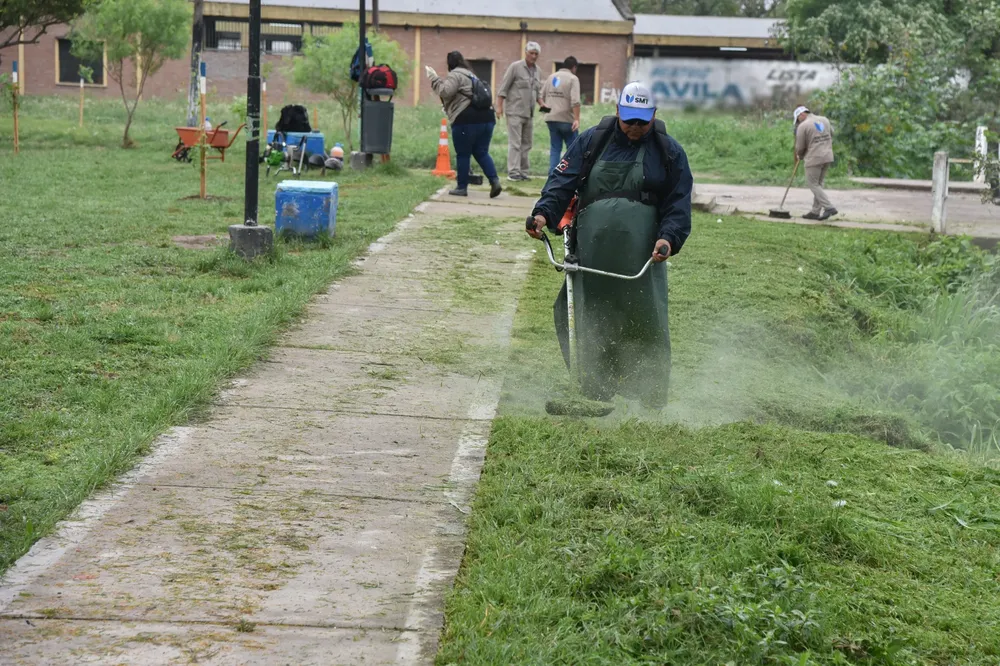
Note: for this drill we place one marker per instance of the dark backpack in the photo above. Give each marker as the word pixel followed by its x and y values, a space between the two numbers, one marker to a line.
pixel 481 96
pixel 379 76
pixel 294 118
pixel 357 67
pixel 599 140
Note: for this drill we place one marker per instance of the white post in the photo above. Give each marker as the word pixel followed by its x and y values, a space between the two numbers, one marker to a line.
pixel 939 193
pixel 980 163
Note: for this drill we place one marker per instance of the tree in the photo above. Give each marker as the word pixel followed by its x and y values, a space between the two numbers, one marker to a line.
pixel 325 65
pixel 197 35
pixel 867 31
pixel 145 33
pixel 25 21
pixel 743 8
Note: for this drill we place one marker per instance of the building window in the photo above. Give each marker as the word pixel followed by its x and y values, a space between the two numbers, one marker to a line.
pixel 483 69
pixel 229 43
pixel 68 65
pixel 281 38
pixel 275 37
pixel 587 75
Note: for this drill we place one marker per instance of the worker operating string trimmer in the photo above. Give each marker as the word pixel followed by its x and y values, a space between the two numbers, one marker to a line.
pixel 630 187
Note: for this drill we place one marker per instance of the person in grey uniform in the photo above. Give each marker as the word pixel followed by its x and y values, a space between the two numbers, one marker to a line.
pixel 519 91
pixel 814 145
pixel 561 96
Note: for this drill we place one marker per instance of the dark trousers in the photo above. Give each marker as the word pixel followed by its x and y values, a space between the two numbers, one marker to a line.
pixel 559 133
pixel 473 141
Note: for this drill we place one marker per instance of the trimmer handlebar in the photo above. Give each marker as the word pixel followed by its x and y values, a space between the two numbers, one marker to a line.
pixel 571 266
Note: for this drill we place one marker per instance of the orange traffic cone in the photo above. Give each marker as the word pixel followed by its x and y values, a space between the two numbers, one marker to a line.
pixel 443 166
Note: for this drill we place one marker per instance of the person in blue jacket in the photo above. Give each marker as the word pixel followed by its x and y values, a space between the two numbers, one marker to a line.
pixel 633 185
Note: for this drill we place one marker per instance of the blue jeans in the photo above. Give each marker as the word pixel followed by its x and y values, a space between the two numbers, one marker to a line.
pixel 558 134
pixel 473 141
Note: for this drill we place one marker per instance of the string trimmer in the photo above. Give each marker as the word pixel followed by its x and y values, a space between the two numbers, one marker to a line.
pixel 570 265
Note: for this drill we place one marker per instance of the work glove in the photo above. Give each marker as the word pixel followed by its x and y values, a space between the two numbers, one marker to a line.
pixel 431 73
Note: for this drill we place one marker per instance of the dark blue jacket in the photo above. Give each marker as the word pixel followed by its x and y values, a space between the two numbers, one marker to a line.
pixel 671 180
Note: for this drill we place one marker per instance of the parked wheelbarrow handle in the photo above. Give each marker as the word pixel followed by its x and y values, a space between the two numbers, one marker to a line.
pixel 573 267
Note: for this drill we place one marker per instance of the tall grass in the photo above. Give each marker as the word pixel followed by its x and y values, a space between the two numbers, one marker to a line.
pixel 938 334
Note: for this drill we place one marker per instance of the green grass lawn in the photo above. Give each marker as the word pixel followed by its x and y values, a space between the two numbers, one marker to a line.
pixel 749 149
pixel 800 502
pixel 110 330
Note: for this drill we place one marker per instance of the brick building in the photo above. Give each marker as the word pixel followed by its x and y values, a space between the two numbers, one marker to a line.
pixel 491 36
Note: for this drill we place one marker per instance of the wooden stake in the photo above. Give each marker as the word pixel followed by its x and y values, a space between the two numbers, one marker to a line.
pixel 17 143
pixel 81 102
pixel 204 136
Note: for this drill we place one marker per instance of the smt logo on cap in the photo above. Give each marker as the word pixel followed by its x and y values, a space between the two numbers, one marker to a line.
pixel 636 101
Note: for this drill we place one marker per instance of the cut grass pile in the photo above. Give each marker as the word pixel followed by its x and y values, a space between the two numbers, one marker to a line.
pixel 798 503
pixel 113 326
pixel 748 149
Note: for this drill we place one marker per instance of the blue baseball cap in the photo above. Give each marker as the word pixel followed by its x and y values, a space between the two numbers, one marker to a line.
pixel 636 102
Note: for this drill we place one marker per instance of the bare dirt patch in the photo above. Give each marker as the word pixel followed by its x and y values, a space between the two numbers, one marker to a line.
pixel 204 242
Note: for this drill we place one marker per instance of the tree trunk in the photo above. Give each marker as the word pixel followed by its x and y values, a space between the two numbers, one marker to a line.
pixel 126 140
pixel 347 116
pixel 197 36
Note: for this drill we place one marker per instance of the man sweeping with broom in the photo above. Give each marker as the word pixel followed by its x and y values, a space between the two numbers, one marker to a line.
pixel 814 146
pixel 632 187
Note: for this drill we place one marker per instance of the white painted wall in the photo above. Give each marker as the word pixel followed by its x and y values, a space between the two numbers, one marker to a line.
pixel 683 82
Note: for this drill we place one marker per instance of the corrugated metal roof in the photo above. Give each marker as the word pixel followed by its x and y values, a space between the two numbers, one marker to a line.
pixel 589 10
pixel 704 26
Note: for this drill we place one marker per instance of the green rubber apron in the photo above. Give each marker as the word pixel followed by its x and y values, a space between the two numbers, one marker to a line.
pixel 623 342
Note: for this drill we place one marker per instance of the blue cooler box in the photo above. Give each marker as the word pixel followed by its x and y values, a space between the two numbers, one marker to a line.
pixel 315 143
pixel 306 207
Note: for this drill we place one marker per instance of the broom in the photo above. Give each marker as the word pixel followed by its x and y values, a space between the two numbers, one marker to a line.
pixel 780 211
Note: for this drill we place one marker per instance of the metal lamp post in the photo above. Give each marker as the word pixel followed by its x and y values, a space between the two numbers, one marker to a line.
pixel 249 240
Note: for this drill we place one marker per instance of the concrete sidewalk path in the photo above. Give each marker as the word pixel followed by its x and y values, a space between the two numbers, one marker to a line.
pixel 904 210
pixel 318 515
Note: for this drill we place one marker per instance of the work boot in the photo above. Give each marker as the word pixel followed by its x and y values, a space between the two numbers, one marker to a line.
pixel 495 188
pixel 459 192
pixel 810 216
pixel 828 213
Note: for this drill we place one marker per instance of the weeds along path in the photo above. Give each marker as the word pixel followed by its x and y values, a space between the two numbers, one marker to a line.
pixel 795 504
pixel 318 513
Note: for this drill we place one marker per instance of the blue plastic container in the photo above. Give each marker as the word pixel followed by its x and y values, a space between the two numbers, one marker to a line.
pixel 315 143
pixel 306 208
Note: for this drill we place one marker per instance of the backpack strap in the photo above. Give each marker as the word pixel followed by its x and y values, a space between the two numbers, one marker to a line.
pixel 663 141
pixel 472 86
pixel 598 140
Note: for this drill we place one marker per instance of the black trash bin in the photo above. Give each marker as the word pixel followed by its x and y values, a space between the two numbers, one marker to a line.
pixel 377 113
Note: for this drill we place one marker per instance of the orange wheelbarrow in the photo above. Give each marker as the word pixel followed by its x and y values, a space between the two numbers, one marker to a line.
pixel 218 138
